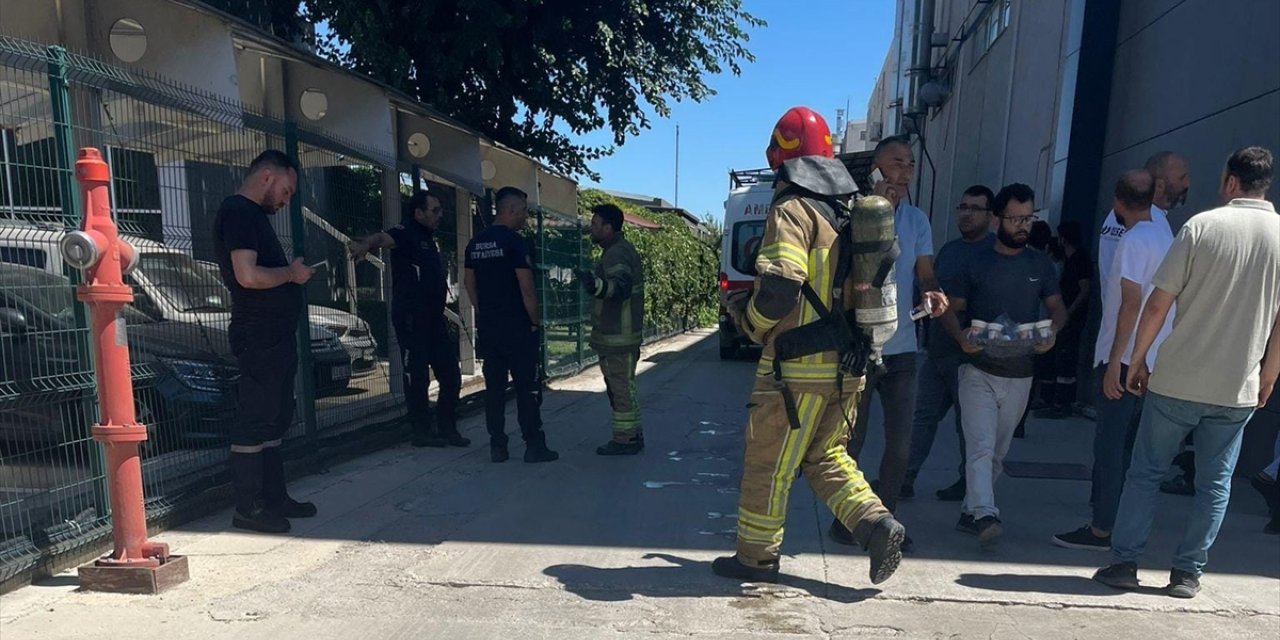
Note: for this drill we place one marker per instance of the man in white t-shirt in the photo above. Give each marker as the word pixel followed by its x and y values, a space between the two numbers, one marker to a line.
pixel 1173 181
pixel 1138 254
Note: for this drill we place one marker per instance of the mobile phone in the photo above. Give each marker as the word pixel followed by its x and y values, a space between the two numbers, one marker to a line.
pixel 875 177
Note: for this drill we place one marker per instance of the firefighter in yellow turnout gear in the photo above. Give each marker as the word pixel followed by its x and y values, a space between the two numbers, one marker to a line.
pixel 617 323
pixel 801 408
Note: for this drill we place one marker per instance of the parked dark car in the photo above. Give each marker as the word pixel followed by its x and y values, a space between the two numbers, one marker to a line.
pixel 184 374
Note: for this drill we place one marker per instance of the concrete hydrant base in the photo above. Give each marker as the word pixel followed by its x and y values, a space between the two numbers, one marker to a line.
pixel 143 580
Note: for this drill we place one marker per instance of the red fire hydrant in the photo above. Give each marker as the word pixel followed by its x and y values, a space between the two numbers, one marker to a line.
pixel 136 564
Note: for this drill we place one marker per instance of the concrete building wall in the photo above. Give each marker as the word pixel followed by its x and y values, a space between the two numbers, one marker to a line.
pixel 1200 77
pixel 998 125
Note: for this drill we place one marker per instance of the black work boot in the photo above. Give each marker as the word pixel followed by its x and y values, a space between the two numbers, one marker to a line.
pixel 885 548
pixel 731 567
pixel 425 434
pixel 953 493
pixel 449 431
pixel 538 452
pixel 275 493
pixel 246 479
pixel 615 448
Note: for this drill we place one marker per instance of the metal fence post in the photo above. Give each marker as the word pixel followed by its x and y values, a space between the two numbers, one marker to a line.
pixel 298 232
pixel 581 295
pixel 72 211
pixel 542 288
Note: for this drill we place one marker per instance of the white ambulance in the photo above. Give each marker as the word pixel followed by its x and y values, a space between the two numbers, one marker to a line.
pixel 744 213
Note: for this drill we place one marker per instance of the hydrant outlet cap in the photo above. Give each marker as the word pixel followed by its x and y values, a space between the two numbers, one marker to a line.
pixel 79 249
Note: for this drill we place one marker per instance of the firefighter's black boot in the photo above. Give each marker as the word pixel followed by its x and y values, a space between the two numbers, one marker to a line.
pixel 731 567
pixel 246 478
pixel 275 493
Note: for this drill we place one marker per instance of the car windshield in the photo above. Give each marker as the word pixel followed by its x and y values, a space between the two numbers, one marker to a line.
pixel 184 283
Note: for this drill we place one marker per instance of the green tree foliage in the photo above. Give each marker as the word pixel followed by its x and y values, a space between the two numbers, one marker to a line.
pixel 518 69
pixel 680 269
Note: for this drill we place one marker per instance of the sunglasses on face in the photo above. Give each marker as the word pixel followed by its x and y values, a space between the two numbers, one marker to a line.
pixel 1021 221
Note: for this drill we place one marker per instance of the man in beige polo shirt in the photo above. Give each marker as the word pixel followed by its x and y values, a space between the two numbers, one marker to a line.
pixel 1218 365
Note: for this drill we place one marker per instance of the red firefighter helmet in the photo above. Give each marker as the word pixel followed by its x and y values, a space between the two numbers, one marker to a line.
pixel 799 132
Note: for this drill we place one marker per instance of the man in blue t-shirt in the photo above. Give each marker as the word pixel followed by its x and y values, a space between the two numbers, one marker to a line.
pixel 499 280
pixel 937 378
pixel 895 382
pixel 1007 281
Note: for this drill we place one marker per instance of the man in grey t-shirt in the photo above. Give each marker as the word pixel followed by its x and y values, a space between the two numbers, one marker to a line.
pixel 993 391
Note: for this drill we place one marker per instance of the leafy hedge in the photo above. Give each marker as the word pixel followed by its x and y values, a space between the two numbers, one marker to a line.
pixel 681 271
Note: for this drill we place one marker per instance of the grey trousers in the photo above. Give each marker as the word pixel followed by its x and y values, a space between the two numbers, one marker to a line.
pixel 990 408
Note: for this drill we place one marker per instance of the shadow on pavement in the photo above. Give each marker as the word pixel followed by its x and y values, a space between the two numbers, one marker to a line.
pixel 684 578
pixel 1076 585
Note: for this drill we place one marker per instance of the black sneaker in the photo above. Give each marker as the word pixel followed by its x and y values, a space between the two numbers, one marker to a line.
pixel 989 531
pixel 730 567
pixel 293 509
pixel 1265 486
pixel 1122 575
pixel 260 520
pixel 1082 538
pixel 498 454
pixel 1272 528
pixel 953 493
pixel 540 454
pixel 615 448
pixel 967 524
pixel 885 548
pixel 1182 585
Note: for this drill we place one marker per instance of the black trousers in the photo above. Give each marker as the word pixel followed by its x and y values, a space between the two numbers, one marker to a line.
pixel 267 353
pixel 896 386
pixel 426 347
pixel 518 356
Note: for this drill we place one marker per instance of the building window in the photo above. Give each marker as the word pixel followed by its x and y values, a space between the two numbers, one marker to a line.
pixel 994 22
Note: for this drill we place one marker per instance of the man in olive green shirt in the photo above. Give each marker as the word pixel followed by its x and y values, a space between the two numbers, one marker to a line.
pixel 617 325
pixel 1217 366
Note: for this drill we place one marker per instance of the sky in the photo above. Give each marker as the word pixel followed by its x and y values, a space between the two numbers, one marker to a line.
pixel 817 53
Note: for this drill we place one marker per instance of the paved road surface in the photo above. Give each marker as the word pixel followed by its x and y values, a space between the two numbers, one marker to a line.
pixel 443 544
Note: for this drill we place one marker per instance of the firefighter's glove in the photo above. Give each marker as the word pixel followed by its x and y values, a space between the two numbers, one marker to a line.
pixel 588 280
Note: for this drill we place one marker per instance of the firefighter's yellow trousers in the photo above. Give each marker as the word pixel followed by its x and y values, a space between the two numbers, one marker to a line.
pixel 775 450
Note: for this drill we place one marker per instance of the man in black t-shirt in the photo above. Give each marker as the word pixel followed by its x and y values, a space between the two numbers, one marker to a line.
pixel 420 288
pixel 266 300
pixel 499 279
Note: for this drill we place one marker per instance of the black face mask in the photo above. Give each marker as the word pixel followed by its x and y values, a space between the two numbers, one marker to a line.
pixel 1010 240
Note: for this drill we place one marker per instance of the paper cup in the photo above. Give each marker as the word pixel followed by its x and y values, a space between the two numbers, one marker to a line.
pixel 1044 329
pixel 1026 330
pixel 979 325
pixel 995 330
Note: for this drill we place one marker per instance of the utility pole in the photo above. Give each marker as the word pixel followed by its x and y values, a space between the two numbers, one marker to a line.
pixel 677 165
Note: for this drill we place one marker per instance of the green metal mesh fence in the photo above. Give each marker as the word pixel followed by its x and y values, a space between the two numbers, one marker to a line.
pixel 175 153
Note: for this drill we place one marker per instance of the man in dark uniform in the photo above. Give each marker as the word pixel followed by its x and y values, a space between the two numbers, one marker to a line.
pixel 499 279
pixel 266 300
pixel 420 287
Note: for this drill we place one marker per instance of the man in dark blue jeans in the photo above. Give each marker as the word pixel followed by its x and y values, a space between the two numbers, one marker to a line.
pixel 936 381
pixel 1137 256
